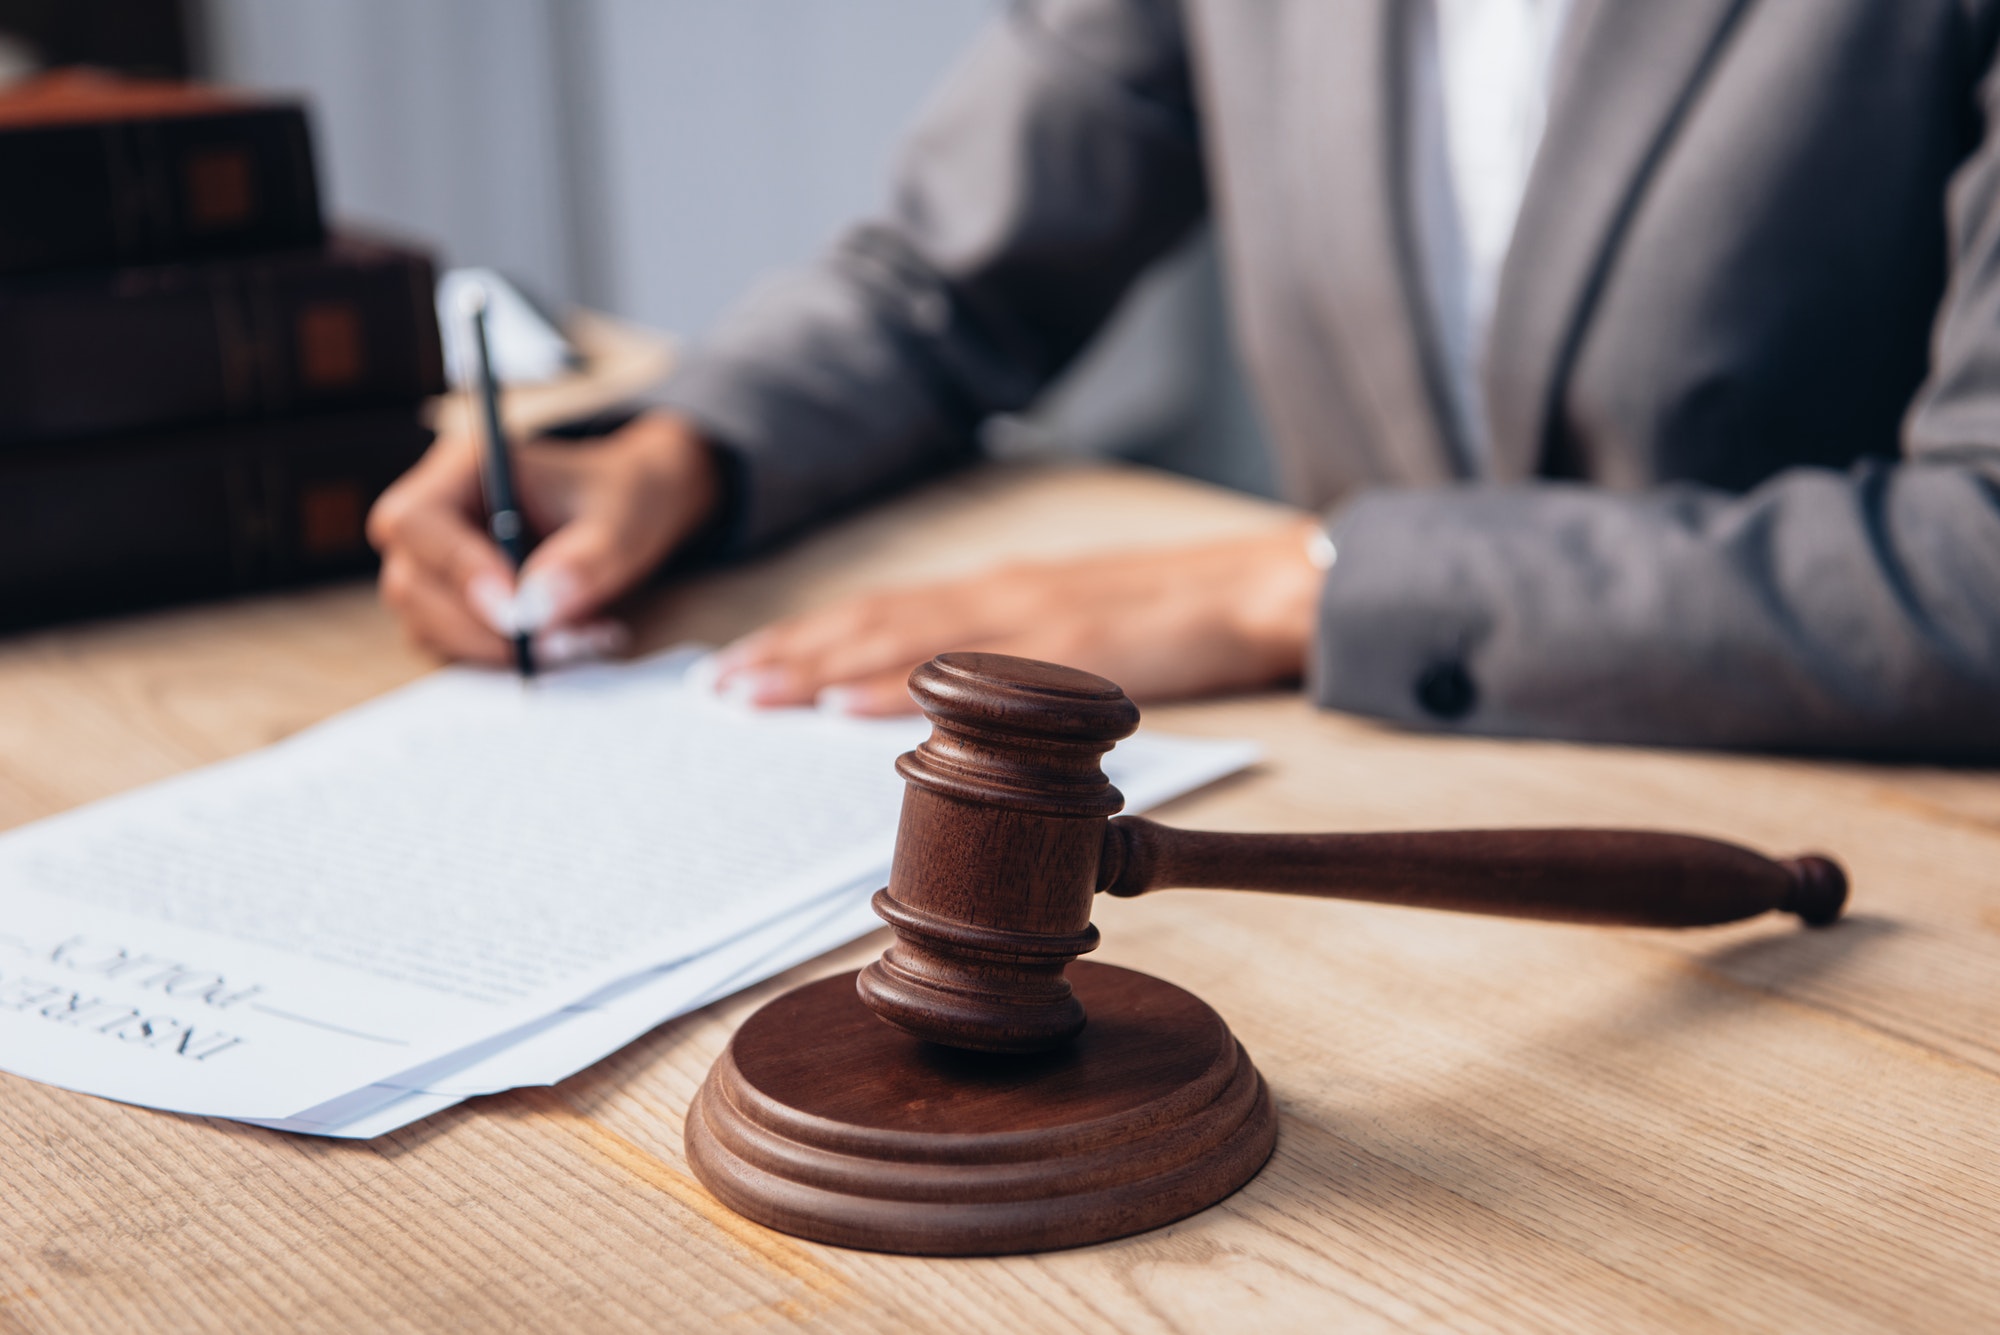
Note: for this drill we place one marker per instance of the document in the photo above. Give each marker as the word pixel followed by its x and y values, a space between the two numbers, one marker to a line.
pixel 588 1031
pixel 1148 769
pixel 464 886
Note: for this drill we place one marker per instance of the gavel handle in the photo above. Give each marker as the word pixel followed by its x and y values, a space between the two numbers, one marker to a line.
pixel 1633 878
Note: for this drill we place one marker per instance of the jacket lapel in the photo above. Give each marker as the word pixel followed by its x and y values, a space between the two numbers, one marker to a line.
pixel 1628 72
pixel 1344 67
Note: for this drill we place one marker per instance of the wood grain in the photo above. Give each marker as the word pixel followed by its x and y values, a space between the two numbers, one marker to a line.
pixel 1485 1125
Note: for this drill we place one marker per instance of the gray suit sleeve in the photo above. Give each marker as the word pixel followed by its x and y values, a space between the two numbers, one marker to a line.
pixel 1058 161
pixel 1853 612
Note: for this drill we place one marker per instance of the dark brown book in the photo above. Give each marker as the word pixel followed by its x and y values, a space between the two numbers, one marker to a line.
pixel 99 171
pixel 349 325
pixel 109 525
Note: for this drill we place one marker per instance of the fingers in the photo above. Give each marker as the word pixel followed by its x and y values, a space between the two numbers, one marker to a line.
pixel 877 696
pixel 442 623
pixel 452 587
pixel 1165 624
pixel 435 616
pixel 581 567
pixel 612 509
pixel 592 642
pixel 433 552
pixel 432 513
pixel 874 639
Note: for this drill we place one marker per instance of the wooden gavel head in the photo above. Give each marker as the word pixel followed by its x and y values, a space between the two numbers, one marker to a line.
pixel 1007 836
pixel 998 852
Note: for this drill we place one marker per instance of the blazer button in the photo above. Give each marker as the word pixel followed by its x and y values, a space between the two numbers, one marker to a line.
pixel 1446 691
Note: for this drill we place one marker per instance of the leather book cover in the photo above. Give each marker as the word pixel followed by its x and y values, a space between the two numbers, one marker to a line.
pixel 97 170
pixel 346 326
pixel 112 525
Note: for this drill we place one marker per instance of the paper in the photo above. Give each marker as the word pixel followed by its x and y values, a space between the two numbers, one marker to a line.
pixel 457 859
pixel 587 1031
pixel 464 886
pixel 1147 769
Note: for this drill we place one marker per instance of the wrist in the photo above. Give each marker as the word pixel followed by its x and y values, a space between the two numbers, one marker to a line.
pixel 680 469
pixel 1280 604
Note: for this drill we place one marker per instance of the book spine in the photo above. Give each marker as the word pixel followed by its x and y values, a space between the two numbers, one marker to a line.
pixel 144 349
pixel 121 524
pixel 150 191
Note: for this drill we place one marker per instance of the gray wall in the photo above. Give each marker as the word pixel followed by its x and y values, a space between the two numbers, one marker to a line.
pixel 733 135
pixel 437 118
pixel 653 157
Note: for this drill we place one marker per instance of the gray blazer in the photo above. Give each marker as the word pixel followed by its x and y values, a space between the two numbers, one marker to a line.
pixel 1743 385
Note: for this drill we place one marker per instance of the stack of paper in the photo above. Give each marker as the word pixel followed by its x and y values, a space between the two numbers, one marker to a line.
pixel 463 887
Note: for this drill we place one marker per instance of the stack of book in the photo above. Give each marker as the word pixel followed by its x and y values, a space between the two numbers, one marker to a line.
pixel 201 389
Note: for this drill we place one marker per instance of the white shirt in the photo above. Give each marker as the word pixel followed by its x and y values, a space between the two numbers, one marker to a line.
pixel 1479 79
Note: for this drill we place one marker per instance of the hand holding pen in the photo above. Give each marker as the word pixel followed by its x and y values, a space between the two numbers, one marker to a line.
pixel 600 515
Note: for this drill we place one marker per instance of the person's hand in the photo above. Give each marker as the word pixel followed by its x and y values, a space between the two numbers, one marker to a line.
pixel 1163 624
pixel 607 511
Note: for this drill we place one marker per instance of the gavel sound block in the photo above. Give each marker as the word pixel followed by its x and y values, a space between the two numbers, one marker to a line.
pixel 1015 1100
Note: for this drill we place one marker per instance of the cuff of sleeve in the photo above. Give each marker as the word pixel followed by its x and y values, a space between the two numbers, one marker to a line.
pixel 1403 616
pixel 793 458
pixel 736 411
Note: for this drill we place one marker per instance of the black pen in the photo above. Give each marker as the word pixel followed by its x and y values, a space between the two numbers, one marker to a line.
pixel 496 476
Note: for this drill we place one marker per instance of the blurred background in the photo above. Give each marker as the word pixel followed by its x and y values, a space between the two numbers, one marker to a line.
pixel 651 158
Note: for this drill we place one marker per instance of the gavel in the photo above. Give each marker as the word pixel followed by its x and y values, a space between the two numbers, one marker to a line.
pixel 1006 838
pixel 1018 1098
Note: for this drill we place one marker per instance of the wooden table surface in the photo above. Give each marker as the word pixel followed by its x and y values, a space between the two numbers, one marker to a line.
pixel 1485 1125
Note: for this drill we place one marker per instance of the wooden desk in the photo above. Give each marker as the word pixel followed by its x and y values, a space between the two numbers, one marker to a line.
pixel 1485 1124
